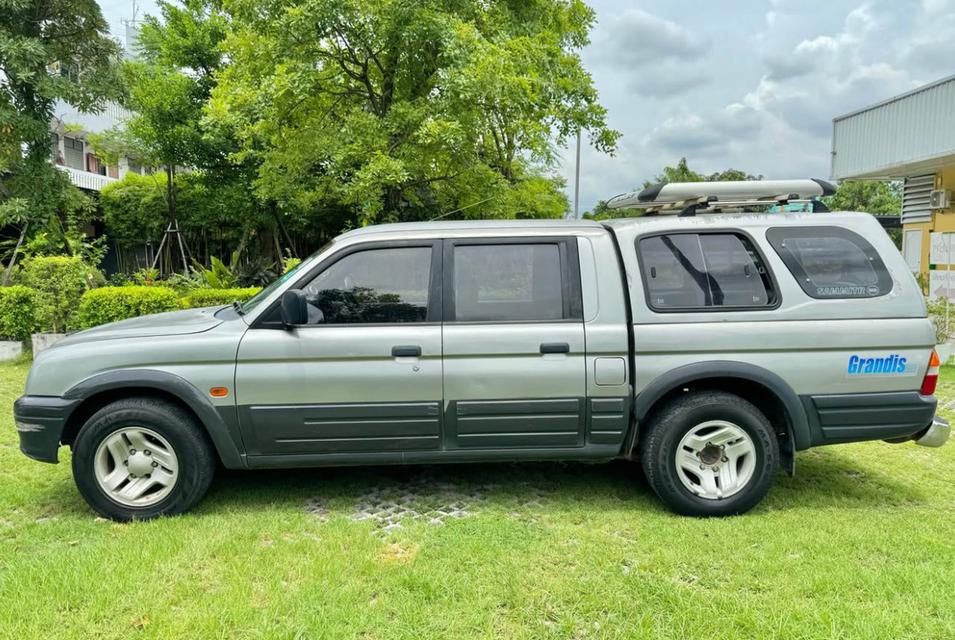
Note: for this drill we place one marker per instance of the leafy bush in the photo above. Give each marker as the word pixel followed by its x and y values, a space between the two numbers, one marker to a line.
pixel 218 276
pixel 134 209
pixel 939 314
pixel 18 313
pixel 109 304
pixel 147 276
pixel 290 263
pixel 59 282
pixel 213 297
pixel 183 283
pixel 120 279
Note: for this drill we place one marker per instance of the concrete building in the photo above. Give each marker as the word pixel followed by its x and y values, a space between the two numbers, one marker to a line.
pixel 72 152
pixel 70 127
pixel 911 138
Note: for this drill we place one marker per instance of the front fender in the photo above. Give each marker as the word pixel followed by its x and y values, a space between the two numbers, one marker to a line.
pixel 220 422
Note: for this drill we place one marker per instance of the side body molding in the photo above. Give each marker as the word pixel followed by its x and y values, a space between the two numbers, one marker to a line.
pixel 798 426
pixel 220 422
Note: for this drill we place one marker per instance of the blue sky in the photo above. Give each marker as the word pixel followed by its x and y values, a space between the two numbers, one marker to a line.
pixel 752 85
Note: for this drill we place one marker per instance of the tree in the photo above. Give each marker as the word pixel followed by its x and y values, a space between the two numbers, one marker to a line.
pixel 49 51
pixel 682 173
pixel 165 127
pixel 168 87
pixel 215 218
pixel 881 198
pixel 407 109
pixel 870 196
pixel 600 212
pixel 679 173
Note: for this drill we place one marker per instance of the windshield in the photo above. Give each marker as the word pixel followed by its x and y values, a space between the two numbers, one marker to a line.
pixel 255 300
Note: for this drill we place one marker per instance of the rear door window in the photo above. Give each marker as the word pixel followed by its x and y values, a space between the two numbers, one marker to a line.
pixel 513 282
pixel 692 271
pixel 831 262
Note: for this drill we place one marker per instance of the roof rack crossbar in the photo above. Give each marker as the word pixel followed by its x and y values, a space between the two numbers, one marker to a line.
pixel 712 204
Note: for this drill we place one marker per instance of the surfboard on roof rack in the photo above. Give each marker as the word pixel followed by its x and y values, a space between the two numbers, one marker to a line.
pixel 690 198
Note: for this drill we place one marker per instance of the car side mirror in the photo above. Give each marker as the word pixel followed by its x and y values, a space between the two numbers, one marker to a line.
pixel 294 308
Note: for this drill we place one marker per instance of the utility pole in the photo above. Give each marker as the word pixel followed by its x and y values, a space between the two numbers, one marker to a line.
pixel 577 181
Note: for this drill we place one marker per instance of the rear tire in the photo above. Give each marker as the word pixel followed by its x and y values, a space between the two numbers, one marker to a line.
pixel 142 458
pixel 710 453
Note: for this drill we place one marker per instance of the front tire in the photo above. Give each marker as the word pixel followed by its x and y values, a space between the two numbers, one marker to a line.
pixel 710 453
pixel 142 458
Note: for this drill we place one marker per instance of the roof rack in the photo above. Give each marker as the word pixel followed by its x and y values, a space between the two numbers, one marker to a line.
pixel 690 198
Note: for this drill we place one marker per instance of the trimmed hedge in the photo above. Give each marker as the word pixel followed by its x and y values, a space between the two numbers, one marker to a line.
pixel 18 313
pixel 214 297
pixel 109 304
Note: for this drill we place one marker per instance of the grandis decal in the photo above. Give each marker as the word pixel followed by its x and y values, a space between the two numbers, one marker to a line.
pixel 887 365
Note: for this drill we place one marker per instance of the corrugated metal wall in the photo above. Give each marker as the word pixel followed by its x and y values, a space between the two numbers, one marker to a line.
pixel 915 199
pixel 915 126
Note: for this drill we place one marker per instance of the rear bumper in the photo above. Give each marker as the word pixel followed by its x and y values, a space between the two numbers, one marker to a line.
pixel 856 417
pixel 935 435
pixel 40 421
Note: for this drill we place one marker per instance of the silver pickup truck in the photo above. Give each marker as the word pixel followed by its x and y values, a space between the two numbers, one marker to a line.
pixel 710 348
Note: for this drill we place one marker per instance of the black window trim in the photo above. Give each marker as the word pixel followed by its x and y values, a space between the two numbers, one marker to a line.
pixel 435 288
pixel 884 277
pixel 777 299
pixel 571 294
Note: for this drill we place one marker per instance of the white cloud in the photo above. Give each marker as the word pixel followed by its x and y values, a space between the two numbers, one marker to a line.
pixel 931 47
pixel 788 114
pixel 638 38
pixel 652 56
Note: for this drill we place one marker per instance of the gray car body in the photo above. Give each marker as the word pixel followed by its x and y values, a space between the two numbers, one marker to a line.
pixel 337 395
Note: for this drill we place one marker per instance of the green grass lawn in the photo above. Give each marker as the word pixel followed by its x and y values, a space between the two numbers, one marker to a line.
pixel 858 545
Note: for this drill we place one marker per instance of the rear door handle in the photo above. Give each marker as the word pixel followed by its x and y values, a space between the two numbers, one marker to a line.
pixel 406 351
pixel 555 347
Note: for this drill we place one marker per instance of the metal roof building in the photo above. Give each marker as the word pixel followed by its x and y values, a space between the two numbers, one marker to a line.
pixel 910 134
pixel 909 137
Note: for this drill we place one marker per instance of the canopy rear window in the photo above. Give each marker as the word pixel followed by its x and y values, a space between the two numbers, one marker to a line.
pixel 831 262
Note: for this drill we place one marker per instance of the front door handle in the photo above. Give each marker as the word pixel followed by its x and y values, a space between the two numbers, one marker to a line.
pixel 406 351
pixel 555 347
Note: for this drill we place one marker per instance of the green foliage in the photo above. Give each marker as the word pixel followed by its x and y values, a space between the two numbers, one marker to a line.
pixel 168 87
pixel 214 297
pixel 50 219
pixel 939 313
pixel 167 109
pixel 884 198
pixel 682 173
pixel 63 234
pixel 60 282
pixel 147 277
pixel 111 304
pixel 183 283
pixel 49 51
pixel 406 110
pixel 134 209
pixel 290 263
pixel 868 196
pixel 18 313
pixel 218 276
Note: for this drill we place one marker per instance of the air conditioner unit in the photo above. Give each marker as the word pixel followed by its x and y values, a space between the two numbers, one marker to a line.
pixel 940 199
